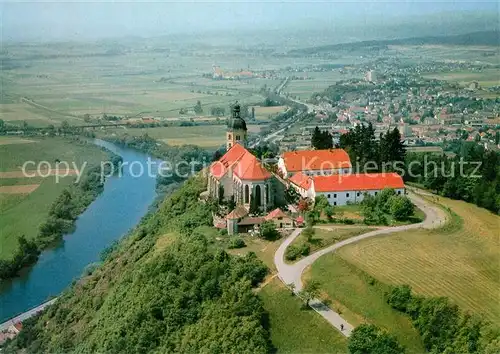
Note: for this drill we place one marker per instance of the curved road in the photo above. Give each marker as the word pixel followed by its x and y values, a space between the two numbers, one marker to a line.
pixel 292 273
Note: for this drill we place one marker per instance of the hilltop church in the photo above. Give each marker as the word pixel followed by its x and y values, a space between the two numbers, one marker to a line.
pixel 240 176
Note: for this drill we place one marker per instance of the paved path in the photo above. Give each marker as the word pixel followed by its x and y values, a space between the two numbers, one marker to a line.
pixel 292 273
pixel 25 315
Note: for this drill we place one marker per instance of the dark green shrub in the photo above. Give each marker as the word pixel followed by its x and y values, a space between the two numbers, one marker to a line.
pixel 236 242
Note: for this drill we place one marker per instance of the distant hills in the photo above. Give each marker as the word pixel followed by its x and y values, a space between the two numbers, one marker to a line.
pixel 489 38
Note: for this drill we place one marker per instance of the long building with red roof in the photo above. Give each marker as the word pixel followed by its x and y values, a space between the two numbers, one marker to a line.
pixel 341 189
pixel 314 162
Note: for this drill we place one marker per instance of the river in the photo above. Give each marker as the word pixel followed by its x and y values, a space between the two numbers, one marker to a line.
pixel 124 201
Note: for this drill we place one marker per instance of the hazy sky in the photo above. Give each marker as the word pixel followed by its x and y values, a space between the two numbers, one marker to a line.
pixel 95 19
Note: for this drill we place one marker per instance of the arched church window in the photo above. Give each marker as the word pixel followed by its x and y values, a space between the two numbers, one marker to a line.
pixel 247 194
pixel 258 196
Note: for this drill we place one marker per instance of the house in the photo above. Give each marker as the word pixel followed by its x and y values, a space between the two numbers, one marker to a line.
pixel 280 219
pixel 239 220
pixel 343 189
pixel 10 332
pixel 314 162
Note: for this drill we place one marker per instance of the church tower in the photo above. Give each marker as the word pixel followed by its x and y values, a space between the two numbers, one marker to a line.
pixel 236 128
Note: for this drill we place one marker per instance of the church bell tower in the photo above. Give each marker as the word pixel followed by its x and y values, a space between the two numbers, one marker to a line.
pixel 236 128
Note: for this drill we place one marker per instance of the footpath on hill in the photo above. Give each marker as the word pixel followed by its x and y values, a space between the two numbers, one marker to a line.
pixel 292 273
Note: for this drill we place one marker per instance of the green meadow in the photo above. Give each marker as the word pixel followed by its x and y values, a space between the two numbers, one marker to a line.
pixel 22 212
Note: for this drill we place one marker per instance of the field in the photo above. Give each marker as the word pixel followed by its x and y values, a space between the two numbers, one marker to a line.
pixel 295 329
pixel 486 78
pixel 361 300
pixel 328 235
pixel 24 201
pixel 264 113
pixel 457 53
pixel 315 82
pixel 455 261
pixel 208 136
pixel 53 84
pixel 265 250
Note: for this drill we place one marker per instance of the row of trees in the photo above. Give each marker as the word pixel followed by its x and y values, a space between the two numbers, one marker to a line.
pixel 372 155
pixel 473 175
pixel 443 327
pixel 185 296
pixel 321 139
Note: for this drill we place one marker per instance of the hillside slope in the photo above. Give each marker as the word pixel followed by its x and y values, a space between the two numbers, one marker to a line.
pixel 163 289
pixel 486 38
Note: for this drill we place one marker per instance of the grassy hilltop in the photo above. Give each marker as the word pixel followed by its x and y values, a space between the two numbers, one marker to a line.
pixel 458 261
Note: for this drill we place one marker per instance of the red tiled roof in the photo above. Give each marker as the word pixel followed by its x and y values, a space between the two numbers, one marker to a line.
pixel 357 182
pixel 299 219
pixel 220 167
pixel 237 213
pixel 302 180
pixel 244 164
pixel 249 168
pixel 315 160
pixel 220 225
pixel 276 213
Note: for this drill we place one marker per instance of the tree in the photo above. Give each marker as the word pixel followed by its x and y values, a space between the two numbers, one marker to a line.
pixel 437 323
pixel 321 140
pixel 65 126
pixel 383 197
pixel 321 202
pixel 392 148
pixel 308 233
pixel 217 155
pixel 369 339
pixel 310 291
pixel 218 111
pixel 401 207
pixel 268 231
pixel 198 109
pixel 400 297
pixel 497 137
pixel 303 205
pixel 291 195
